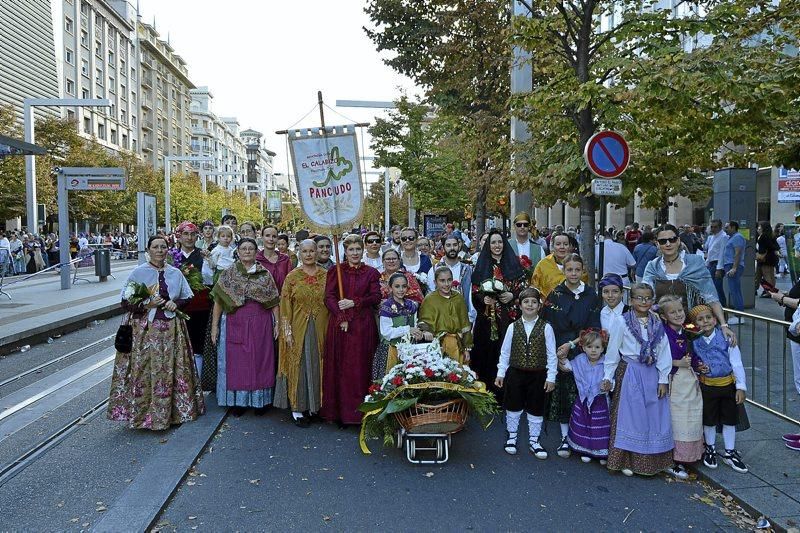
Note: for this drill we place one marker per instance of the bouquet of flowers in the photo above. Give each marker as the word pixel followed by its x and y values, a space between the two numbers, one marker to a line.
pixel 175 257
pixel 136 293
pixel 527 265
pixel 194 277
pixel 423 376
pixel 493 287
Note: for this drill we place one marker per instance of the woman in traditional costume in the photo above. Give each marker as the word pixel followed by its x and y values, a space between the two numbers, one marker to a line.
pixel 244 327
pixel 156 385
pixel 443 313
pixel 684 275
pixel 572 307
pixel 549 272
pixel 352 336
pixel 397 317
pixel 392 264
pixel 637 366
pixel 276 263
pixel 496 309
pixel 283 247
pixel 305 320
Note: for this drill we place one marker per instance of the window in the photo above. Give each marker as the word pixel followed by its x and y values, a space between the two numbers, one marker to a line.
pixel 87 125
pixel 124 141
pixel 133 74
pixel 133 123
pixel 70 87
pixel 101 131
pixel 110 57
pixel 98 49
pixel 133 98
pixel 123 90
pixel 124 119
pixel 85 67
pixel 98 20
pixel 69 25
pixel 69 57
pixel 111 84
pixel 84 38
pixel 85 93
pixel 84 8
pixel 98 76
pixel 133 145
pixel 113 136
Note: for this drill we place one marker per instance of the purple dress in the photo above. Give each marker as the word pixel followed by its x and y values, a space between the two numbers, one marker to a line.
pixel 590 423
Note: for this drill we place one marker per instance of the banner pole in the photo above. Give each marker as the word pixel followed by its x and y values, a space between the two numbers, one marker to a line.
pixel 335 235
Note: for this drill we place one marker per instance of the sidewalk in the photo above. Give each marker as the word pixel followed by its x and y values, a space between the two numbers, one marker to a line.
pixel 772 485
pixel 39 308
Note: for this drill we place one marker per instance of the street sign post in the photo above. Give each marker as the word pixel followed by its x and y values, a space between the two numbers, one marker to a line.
pixel 607 155
pixel 80 179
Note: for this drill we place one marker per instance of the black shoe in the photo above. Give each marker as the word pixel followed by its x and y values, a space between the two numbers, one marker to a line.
pixel 261 411
pixel 314 418
pixel 302 422
pixel 734 460
pixel 563 450
pixel 238 411
pixel 510 446
pixel 710 457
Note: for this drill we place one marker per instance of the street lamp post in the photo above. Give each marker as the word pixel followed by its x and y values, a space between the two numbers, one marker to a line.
pixel 30 162
pixel 168 160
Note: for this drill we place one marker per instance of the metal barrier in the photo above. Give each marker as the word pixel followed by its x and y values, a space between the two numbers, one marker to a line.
pixel 18 279
pixel 769 376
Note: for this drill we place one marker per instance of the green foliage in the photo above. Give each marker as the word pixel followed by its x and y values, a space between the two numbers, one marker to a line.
pixel 456 51
pixel 374 206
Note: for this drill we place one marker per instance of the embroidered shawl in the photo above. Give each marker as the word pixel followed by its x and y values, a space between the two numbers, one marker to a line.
pixel 236 286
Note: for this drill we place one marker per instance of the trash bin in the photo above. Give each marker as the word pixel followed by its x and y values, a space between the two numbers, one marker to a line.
pixel 102 263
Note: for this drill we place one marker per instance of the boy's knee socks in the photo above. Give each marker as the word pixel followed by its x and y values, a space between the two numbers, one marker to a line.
pixel 512 421
pixel 729 437
pixel 710 435
pixel 535 426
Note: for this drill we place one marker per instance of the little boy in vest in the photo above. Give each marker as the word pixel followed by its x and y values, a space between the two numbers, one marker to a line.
pixel 723 388
pixel 527 371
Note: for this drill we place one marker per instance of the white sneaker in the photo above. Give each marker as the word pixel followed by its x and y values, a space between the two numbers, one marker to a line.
pixel 563 450
pixel 586 459
pixel 627 471
pixel 678 471
pixel 510 446
pixel 603 462
pixel 536 449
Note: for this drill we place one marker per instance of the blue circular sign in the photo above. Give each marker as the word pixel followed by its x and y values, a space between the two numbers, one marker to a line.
pixel 607 154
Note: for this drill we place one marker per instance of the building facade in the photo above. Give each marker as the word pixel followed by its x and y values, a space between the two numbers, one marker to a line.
pixel 165 100
pixel 260 171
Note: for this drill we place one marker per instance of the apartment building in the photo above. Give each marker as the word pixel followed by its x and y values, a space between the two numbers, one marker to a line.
pixel 164 100
pixel 97 59
pixel 260 170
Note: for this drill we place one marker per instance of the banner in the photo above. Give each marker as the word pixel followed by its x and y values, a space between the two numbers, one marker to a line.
pixel 274 202
pixel 328 177
pixel 434 225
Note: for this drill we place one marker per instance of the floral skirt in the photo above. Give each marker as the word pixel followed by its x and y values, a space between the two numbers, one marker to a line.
pixel 156 385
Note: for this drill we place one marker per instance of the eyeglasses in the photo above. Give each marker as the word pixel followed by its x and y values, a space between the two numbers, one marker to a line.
pixel 373 241
pixel 671 240
pixel 643 299
pixel 523 224
pixel 406 239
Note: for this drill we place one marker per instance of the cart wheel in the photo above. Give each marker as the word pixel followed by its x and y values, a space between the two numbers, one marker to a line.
pixel 440 444
pixel 411 447
pixel 449 439
pixel 398 439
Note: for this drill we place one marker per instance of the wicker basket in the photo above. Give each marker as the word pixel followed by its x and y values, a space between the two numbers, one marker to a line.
pixel 446 417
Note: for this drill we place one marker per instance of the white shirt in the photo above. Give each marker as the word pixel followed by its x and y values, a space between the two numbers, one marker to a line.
pixel 735 357
pixel 454 269
pixel 622 342
pixel 221 257
pixel 389 331
pixel 550 346
pixel 617 259
pixel 83 242
pixel 374 263
pixel 524 248
pixel 608 315
pixel 412 268
pixel 715 245
pixel 4 244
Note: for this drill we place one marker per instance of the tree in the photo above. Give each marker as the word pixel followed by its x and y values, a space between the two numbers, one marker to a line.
pixel 686 101
pixel 456 51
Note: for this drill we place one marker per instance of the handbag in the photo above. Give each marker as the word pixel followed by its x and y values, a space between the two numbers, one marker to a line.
pixel 123 341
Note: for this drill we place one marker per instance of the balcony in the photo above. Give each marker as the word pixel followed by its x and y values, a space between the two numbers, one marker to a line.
pixel 147 81
pixel 200 130
pixel 147 145
pixel 147 103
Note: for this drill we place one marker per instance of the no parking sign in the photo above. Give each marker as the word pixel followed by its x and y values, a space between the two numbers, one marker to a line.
pixel 607 154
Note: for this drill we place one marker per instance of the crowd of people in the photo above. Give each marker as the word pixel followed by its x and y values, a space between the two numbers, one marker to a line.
pixel 237 311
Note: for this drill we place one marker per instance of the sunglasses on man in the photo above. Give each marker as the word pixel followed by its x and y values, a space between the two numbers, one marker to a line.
pixel 670 240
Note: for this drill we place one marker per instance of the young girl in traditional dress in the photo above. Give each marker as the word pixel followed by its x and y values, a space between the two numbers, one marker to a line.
pixel 589 425
pixel 637 366
pixel 686 403
pixel 397 318
pixel 444 312
pixel 572 307
pixel 527 372
pixel 611 292
pixel 723 388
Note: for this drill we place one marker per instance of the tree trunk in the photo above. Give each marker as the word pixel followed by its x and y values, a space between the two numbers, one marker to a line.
pixel 480 212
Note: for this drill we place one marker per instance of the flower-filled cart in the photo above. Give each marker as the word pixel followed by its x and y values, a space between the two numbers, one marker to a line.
pixel 422 402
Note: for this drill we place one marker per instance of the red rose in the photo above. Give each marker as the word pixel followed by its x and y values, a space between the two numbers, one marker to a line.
pixel 374 388
pixel 398 380
pixel 428 372
pixel 456 283
pixel 453 378
pixel 525 262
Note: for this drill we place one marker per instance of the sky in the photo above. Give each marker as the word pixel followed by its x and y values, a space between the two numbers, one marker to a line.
pixel 265 60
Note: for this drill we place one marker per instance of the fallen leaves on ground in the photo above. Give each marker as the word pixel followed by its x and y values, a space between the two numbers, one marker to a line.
pixel 727 505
